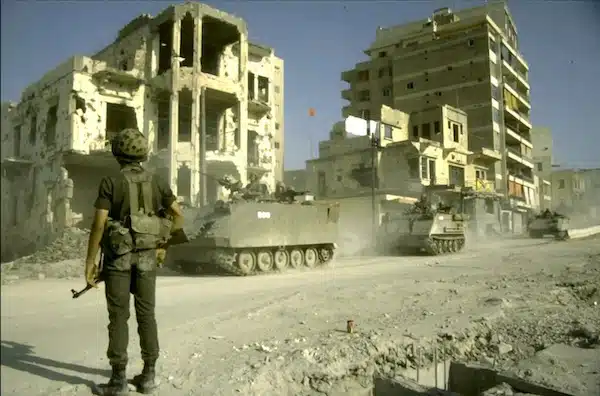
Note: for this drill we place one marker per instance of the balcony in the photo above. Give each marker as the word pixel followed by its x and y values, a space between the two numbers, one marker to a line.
pixel 482 185
pixel 514 117
pixel 347 94
pixel 521 138
pixel 258 104
pixel 516 156
pixel 519 95
pixel 348 75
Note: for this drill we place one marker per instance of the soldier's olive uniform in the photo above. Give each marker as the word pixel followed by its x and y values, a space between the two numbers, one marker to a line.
pixel 133 199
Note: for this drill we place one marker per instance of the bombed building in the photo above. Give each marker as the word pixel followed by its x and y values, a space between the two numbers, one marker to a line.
pixel 210 103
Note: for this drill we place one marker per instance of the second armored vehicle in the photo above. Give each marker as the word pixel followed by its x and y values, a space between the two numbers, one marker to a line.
pixel 436 231
pixel 549 223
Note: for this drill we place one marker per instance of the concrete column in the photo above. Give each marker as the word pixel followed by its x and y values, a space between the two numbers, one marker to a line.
pixel 174 61
pixel 174 132
pixel 195 165
pixel 242 108
pixel 198 45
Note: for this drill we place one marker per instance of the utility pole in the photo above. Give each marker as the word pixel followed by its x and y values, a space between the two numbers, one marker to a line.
pixel 374 140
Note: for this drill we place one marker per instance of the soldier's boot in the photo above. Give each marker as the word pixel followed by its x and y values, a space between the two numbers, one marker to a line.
pixel 117 385
pixel 146 381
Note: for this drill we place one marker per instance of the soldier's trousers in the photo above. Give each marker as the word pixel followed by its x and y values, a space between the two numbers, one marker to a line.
pixel 119 285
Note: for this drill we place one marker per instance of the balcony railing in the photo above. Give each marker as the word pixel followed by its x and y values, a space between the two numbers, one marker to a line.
pixel 519 153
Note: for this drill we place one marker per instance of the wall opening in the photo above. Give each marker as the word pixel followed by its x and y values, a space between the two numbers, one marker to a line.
pixel 17 142
pixel 184 183
pixel 456 175
pixel 263 89
pixel 165 49
pixel 216 35
pixel 119 117
pixel 33 131
pixel 186 42
pixel 163 128
pixel 51 121
pixel 253 159
pixel 251 93
pixel 213 122
pixel 185 116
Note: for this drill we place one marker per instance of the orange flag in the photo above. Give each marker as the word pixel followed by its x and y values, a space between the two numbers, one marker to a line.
pixel 311 112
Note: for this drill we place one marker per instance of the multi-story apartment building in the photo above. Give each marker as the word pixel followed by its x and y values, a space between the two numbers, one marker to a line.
pixel 210 103
pixel 468 59
pixel 425 148
pixel 543 158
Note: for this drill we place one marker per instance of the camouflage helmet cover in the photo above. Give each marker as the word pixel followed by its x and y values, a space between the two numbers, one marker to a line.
pixel 130 144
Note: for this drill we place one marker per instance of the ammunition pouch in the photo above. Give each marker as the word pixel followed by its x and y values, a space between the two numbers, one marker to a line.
pixel 117 239
pixel 149 231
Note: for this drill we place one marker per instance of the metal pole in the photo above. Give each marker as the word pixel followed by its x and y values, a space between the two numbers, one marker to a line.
pixel 374 221
pixel 203 147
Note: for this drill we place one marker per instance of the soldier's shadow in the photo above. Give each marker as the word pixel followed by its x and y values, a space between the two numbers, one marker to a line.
pixel 22 357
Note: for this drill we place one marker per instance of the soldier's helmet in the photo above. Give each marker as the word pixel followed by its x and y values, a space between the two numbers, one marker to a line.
pixel 130 144
pixel 253 177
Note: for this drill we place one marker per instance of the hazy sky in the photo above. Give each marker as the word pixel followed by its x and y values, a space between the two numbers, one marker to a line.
pixel 320 39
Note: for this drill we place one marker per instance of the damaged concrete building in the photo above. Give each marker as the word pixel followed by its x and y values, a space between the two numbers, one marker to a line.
pixel 210 103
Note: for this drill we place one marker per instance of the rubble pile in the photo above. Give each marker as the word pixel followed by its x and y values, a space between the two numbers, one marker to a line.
pixel 63 258
pixel 521 340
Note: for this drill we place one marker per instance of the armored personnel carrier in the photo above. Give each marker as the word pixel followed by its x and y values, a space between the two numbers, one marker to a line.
pixel 252 234
pixel 435 231
pixel 549 223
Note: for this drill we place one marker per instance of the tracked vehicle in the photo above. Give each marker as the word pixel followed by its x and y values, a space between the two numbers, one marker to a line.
pixel 253 235
pixel 549 223
pixel 434 231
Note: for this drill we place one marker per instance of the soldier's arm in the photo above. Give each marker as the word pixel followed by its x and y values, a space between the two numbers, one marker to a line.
pixel 169 202
pixel 102 206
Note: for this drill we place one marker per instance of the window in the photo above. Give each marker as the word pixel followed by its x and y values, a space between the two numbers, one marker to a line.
pixel 496 93
pixel 364 96
pixel 277 125
pixel 436 127
pixel 492 45
pixel 471 42
pixel 455 133
pixel 413 167
pixel 322 183
pixel 382 54
pixel 457 175
pixel 381 72
pixel 438 93
pixel 387 91
pixel 540 166
pixel 410 85
pixel 277 145
pixel 276 89
pixel 387 132
pixel 426 130
pixel 416 131
pixel 561 184
pixel 363 75
pixel 495 115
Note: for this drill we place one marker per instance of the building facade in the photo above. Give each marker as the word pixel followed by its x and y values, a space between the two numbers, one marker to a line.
pixel 425 148
pixel 543 158
pixel 576 192
pixel 210 103
pixel 468 59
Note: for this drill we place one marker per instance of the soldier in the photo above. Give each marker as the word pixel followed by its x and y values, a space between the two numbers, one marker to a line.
pixel 255 188
pixel 280 190
pixel 130 259
pixel 422 204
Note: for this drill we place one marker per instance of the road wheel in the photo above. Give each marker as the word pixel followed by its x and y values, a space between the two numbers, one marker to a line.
pixel 281 259
pixel 296 258
pixel 246 262
pixel 264 260
pixel 326 254
pixel 311 257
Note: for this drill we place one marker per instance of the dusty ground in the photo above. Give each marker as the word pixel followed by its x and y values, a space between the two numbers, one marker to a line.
pixel 519 306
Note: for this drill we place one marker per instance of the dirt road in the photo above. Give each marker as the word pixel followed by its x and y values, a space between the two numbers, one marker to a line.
pixel 264 334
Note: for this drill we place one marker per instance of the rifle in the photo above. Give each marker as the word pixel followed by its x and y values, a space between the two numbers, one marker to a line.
pixel 290 195
pixel 77 294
